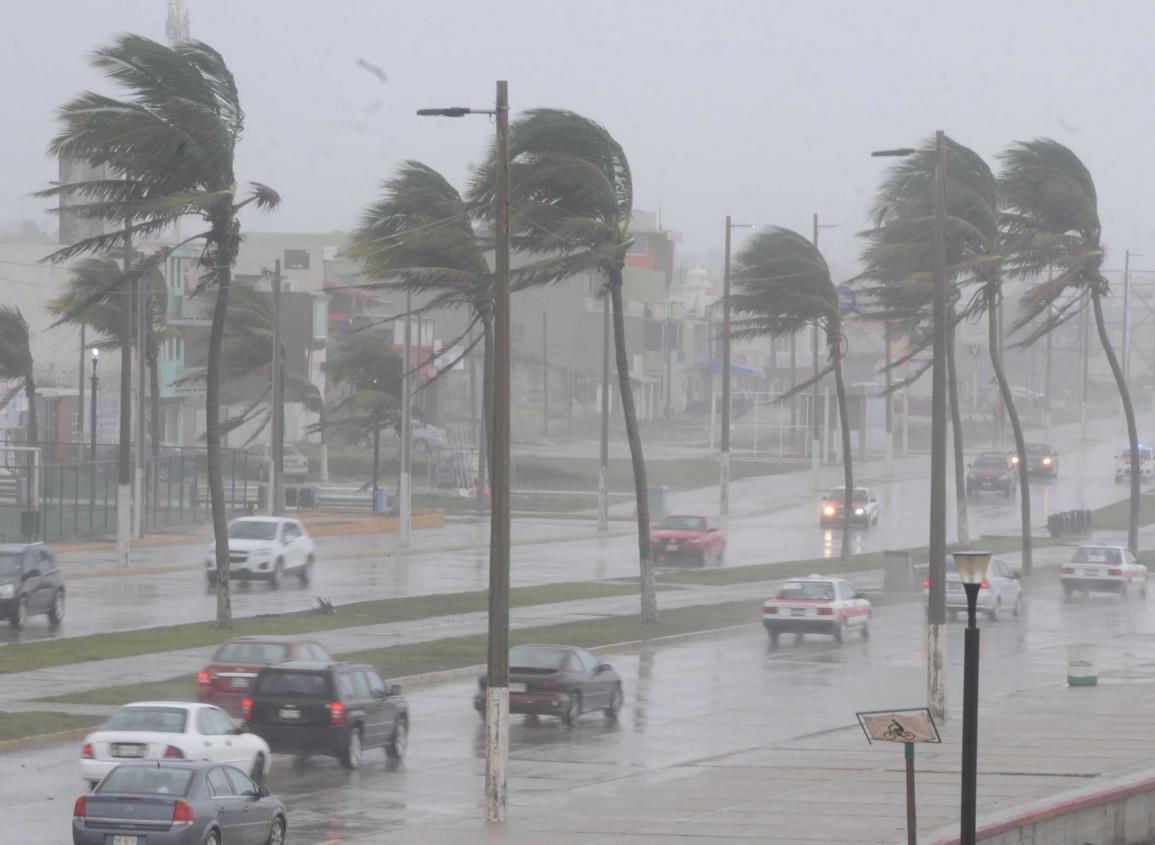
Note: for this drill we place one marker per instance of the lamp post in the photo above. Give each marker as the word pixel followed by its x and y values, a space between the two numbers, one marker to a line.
pixel 497 663
pixel 92 436
pixel 972 570
pixel 724 481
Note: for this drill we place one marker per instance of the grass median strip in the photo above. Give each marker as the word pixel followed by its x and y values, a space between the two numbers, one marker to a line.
pixel 21 725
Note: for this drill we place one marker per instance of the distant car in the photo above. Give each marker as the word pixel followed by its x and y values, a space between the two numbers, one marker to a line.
pixel 178 803
pixel 31 583
pixel 1103 569
pixel 172 730
pixel 558 680
pixel 227 680
pixel 422 438
pixel 1041 460
pixel 457 471
pixel 1124 466
pixel 992 471
pixel 296 465
pixel 816 605
pixel 865 505
pixel 265 548
pixel 692 537
pixel 336 709
pixel 1001 591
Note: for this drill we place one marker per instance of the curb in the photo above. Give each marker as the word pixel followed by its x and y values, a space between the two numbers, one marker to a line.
pixel 25 743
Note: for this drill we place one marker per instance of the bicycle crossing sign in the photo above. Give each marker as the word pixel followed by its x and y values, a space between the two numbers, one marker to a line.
pixel 913 724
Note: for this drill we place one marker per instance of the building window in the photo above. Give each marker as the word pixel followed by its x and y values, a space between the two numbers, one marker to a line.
pixel 320 318
pixel 639 246
pixel 296 259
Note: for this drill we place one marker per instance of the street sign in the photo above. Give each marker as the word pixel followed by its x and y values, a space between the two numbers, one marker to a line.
pixel 847 299
pixel 911 725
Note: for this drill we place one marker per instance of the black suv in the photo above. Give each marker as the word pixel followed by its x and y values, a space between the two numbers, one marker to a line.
pixel 338 709
pixel 30 583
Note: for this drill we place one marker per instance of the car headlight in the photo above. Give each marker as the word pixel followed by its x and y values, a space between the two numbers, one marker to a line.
pixel 7 591
pixel 1046 462
pixel 858 511
pixel 1014 459
pixel 828 510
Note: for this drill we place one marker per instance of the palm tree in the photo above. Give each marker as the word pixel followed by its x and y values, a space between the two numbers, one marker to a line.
pixel 783 285
pixel 171 144
pixel 16 366
pixel 419 239
pixel 571 198
pixel 1052 220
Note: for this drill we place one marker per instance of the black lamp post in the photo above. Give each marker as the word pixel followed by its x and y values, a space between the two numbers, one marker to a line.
pixel 92 416
pixel 972 570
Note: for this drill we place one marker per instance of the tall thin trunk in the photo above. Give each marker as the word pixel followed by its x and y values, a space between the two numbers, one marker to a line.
pixel 484 442
pixel 224 253
pixel 154 411
pixel 960 481
pixel 834 339
pixel 1128 412
pixel 1017 430
pixel 33 436
pixel 649 594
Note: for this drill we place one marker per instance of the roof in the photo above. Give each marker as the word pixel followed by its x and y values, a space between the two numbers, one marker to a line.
pixel 311 665
pixel 174 764
pixel 270 638
pixel 264 519
pixel 184 705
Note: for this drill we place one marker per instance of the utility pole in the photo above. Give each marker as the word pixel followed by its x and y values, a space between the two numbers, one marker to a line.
pixel 669 361
pixel 80 400
pixel 604 467
pixel 1048 386
pixel 889 403
pixel 545 372
pixel 277 476
pixel 724 483
pixel 1086 369
pixel 138 474
pixel 1127 317
pixel 124 453
pixel 405 501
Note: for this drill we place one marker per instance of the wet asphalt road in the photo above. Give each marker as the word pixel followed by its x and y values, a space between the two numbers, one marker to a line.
pixel 350 568
pixel 684 701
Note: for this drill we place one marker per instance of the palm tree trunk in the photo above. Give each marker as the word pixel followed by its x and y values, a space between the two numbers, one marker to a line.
pixel 960 481
pixel 834 340
pixel 223 254
pixel 1016 428
pixel 33 437
pixel 154 411
pixel 484 446
pixel 649 594
pixel 1128 412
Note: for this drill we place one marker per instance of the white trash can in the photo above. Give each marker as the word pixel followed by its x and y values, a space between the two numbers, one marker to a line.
pixel 1081 670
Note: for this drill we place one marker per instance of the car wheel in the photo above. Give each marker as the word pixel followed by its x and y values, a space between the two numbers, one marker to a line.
pixel 277 832
pixel 214 838
pixel 573 710
pixel 615 705
pixel 1068 593
pixel 421 446
pixel 703 557
pixel 866 630
pixel 839 631
pixel 257 772
pixel 351 755
pixel 1017 610
pixel 20 615
pixel 275 578
pixel 56 612
pixel 721 555
pixel 1143 590
pixel 306 573
pixel 993 613
pixel 399 742
pixel 210 580
pixel 773 638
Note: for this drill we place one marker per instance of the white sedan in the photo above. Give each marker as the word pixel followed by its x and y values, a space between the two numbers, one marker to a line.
pixel 1103 569
pixel 816 605
pixel 265 548
pixel 172 730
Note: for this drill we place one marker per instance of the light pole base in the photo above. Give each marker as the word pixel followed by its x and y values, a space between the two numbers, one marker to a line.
pixel 404 510
pixel 936 671
pixel 496 751
pixel 724 504
pixel 890 454
pixel 603 501
pixel 123 523
pixel 815 465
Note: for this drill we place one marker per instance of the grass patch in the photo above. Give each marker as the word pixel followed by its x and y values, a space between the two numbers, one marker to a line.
pixel 20 725
pixel 1116 516
pixel 36 655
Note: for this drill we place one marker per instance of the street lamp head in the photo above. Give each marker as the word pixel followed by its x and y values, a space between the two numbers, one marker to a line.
pixel 972 566
pixel 453 111
pixel 95 353
pixel 900 152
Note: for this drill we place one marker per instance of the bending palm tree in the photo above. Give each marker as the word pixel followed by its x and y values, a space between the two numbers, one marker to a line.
pixel 16 366
pixel 571 197
pixel 1052 219
pixel 784 285
pixel 171 141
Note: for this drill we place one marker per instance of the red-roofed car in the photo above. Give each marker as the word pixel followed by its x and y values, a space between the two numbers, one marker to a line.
pixel 228 679
pixel 691 537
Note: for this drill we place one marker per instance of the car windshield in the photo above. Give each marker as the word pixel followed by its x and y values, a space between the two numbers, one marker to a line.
pixel 148 780
pixel 1038 449
pixel 860 494
pixel 303 684
pixel 251 653
pixel 536 657
pixel 685 523
pixel 807 590
pixel 165 720
pixel 1092 554
pixel 9 564
pixel 250 529
pixel 990 462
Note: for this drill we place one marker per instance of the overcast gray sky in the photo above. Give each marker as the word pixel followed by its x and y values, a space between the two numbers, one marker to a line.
pixel 761 109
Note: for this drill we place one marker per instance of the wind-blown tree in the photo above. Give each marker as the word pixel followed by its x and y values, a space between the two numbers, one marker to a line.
pixel 974 265
pixel 782 285
pixel 1051 220
pixel 170 145
pixel 571 198
pixel 16 365
pixel 419 238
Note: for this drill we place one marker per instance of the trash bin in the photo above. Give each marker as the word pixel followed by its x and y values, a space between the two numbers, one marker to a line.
pixel 1081 671
pixel 381 500
pixel 657 499
pixel 899 571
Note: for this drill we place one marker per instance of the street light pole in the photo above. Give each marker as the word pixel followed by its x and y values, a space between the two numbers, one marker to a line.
pixel 92 435
pixel 972 569
pixel 604 467
pixel 404 492
pixel 724 504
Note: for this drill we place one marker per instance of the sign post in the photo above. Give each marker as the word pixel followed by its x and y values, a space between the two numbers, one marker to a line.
pixel 908 727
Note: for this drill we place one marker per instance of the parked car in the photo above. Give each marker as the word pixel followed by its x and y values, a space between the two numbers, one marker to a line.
pixel 227 680
pixel 172 730
pixel 265 548
pixel 1001 591
pixel 865 506
pixel 457 471
pixel 816 605
pixel 692 537
pixel 1041 460
pixel 178 803
pixel 1103 569
pixel 337 709
pixel 558 680
pixel 261 454
pixel 1124 466
pixel 31 583
pixel 422 438
pixel 992 471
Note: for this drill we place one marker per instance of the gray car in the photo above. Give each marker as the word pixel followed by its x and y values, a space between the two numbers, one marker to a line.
pixel 178 803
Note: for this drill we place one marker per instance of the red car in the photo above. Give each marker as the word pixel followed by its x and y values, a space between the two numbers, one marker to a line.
pixel 227 680
pixel 690 537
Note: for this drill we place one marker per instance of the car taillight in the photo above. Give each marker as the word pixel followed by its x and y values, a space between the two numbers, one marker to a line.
pixel 182 813
pixel 926 583
pixel 825 611
pixel 548 685
pixel 985 585
pixel 204 678
pixel 80 808
pixel 1066 570
pixel 1114 571
pixel 770 610
pixel 173 753
pixel 86 751
pixel 247 709
pixel 336 713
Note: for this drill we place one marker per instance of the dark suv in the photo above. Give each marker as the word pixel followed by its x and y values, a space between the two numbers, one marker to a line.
pixel 30 583
pixel 336 709
pixel 992 471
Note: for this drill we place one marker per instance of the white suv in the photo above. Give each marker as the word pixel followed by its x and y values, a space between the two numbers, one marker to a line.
pixel 1123 463
pixel 265 548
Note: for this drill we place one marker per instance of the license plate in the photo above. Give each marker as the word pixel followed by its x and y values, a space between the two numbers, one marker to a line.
pixel 797 611
pixel 238 683
pixel 671 547
pixel 125 840
pixel 1090 573
pixel 128 751
pixel 289 713
pixel 517 686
